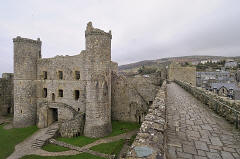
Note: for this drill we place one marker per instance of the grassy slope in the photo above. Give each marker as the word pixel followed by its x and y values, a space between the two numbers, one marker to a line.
pixel 54 148
pixel 109 148
pixel 118 127
pixel 10 138
pixel 80 156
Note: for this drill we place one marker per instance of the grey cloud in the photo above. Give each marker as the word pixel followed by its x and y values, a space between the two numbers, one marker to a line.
pixel 146 29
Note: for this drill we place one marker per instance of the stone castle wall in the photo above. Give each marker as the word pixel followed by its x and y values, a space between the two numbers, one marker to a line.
pixel 69 84
pixel 55 79
pixel 150 141
pixel 6 94
pixel 187 74
pixel 84 83
pixel 131 97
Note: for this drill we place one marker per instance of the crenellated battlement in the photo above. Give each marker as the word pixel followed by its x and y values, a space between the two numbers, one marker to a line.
pixel 26 40
pixel 94 31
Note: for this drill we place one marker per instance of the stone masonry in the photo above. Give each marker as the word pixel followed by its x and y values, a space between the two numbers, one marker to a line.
pixel 6 94
pixel 150 140
pixel 83 82
pixel 131 97
pixel 57 89
pixel 195 132
pixel 182 73
pixel 215 102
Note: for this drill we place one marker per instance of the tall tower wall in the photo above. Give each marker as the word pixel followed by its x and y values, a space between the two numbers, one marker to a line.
pixel 26 54
pixel 98 68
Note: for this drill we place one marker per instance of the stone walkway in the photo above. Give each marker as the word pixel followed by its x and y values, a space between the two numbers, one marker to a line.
pixel 77 150
pixel 33 143
pixel 27 147
pixel 195 132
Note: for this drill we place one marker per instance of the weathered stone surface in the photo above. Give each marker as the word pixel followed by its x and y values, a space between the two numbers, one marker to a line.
pixel 210 137
pixel 82 81
pixel 6 94
pixel 74 127
pixel 88 83
pixel 131 97
pixel 186 74
pixel 212 101
pixel 143 151
pixel 150 141
pixel 201 145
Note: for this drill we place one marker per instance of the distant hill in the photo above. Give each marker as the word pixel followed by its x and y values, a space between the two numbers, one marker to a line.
pixel 165 61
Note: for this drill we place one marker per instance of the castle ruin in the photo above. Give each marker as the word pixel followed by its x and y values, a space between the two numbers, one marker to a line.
pixel 82 92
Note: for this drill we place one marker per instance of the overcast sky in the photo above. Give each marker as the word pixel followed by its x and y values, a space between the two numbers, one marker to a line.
pixel 141 29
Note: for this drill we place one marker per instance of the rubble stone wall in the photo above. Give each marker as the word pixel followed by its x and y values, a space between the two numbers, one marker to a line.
pixel 150 140
pixel 72 128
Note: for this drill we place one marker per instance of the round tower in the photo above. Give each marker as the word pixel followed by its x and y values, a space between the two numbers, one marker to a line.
pixel 26 54
pixel 98 99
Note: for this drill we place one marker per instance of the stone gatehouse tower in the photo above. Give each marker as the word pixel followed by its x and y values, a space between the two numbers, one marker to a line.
pixel 60 88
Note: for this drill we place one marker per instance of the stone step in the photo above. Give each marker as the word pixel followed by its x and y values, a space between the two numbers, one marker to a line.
pixel 52 131
pixel 38 143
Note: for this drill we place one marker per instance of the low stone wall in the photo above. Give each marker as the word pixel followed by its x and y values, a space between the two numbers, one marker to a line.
pixel 222 106
pixel 150 140
pixel 72 128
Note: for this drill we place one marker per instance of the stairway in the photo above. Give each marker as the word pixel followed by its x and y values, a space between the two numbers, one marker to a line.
pixel 38 143
pixel 52 131
pixel 47 134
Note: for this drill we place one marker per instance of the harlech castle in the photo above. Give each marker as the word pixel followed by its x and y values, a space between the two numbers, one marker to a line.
pixel 83 93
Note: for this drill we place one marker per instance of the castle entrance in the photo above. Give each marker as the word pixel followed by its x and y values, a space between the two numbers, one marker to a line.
pixel 52 115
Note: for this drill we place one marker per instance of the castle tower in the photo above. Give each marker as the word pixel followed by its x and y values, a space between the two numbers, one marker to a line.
pixel 26 54
pixel 98 68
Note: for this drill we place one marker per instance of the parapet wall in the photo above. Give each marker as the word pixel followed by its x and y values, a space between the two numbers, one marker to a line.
pixel 229 109
pixel 150 140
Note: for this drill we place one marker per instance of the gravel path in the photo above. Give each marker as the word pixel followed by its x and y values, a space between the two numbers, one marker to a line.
pixel 195 132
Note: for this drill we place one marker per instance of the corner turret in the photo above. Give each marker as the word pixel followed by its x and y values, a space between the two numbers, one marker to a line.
pixel 98 67
pixel 26 54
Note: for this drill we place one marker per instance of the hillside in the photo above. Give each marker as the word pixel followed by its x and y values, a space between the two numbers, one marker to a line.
pixel 165 61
